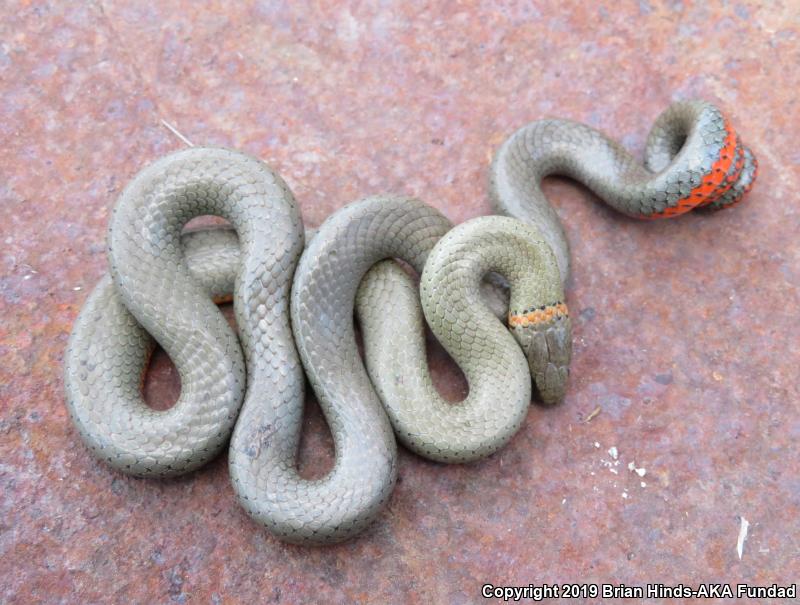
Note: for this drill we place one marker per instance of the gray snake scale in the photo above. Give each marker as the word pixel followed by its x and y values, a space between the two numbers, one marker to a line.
pixel 295 309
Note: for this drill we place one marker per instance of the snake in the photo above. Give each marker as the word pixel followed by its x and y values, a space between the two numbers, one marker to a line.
pixel 491 290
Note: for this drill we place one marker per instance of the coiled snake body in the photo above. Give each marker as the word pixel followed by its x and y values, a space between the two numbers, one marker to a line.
pixel 163 284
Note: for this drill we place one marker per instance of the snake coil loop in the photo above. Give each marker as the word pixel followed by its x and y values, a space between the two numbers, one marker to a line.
pixel 693 159
pixel 163 282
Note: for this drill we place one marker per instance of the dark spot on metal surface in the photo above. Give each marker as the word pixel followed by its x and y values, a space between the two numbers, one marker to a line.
pixel 665 378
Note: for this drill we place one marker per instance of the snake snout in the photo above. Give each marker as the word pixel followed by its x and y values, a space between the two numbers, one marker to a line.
pixel 548 348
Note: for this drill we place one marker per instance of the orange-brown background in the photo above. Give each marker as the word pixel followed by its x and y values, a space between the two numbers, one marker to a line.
pixel 686 331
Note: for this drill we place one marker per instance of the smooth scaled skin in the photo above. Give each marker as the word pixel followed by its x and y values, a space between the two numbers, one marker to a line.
pixel 155 289
pixel 344 250
pixel 344 502
pixel 108 337
pixel 693 159
pixel 164 283
pixel 498 365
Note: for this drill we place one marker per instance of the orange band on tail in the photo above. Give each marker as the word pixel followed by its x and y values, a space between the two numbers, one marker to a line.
pixel 713 184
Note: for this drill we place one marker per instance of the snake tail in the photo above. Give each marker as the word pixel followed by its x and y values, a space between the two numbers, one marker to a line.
pixel 693 160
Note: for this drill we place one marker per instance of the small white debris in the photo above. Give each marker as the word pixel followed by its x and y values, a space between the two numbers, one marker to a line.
pixel 639 471
pixel 176 132
pixel 643 484
pixel 612 451
pixel 624 494
pixel 564 501
pixel 742 536
pixel 76 288
pixel 27 277
pixel 596 444
pixel 594 413
pixel 613 470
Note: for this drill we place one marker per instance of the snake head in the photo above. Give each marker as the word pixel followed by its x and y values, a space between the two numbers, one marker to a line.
pixel 545 335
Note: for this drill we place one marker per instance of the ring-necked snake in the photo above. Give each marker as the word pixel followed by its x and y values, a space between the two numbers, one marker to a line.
pixel 164 283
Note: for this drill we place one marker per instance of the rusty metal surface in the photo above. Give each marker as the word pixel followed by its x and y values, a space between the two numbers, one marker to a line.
pixel 686 332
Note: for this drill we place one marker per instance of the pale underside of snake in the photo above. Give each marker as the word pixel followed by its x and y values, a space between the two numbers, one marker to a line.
pixel 163 283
